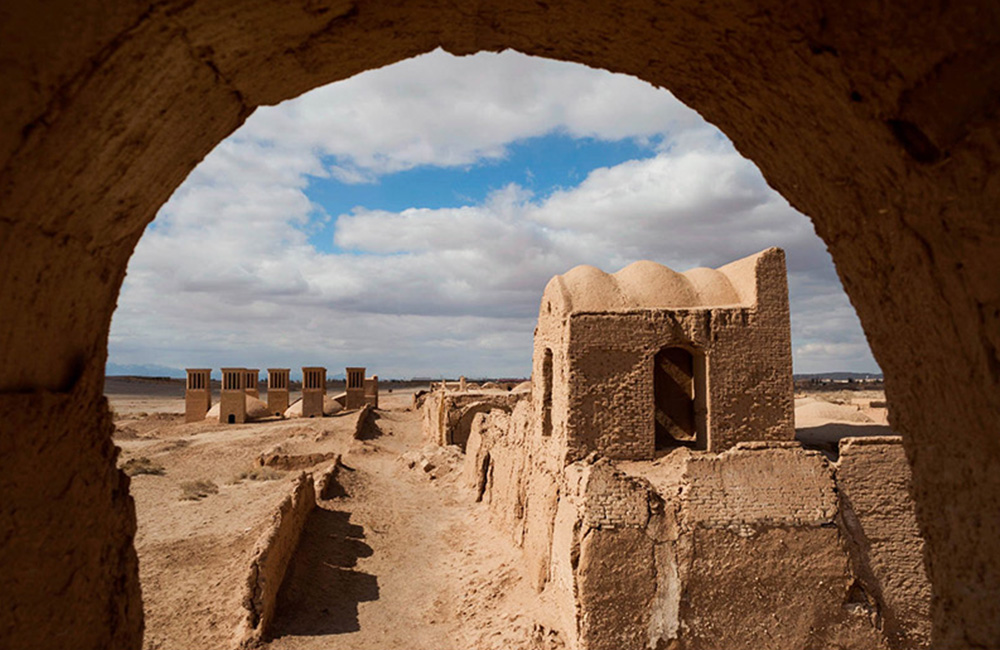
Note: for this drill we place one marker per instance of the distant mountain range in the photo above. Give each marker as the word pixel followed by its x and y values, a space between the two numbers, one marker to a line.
pixel 153 370
pixel 839 375
pixel 143 370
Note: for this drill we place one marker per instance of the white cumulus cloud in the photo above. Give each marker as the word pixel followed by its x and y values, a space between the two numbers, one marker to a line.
pixel 227 273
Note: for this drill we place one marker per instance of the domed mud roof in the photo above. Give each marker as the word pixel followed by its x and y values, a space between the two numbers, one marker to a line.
pixel 640 285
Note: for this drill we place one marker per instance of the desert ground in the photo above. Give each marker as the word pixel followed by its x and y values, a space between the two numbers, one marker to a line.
pixel 400 556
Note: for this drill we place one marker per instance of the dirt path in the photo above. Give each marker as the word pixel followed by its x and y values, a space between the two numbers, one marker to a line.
pixel 404 561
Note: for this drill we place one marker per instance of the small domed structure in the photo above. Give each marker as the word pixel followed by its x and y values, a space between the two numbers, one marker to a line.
pixel 648 359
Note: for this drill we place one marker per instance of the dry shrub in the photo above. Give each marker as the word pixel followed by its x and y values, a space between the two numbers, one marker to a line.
pixel 142 465
pixel 258 474
pixel 123 432
pixel 196 490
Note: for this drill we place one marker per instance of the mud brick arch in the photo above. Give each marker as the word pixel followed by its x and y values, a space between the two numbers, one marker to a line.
pixel 878 120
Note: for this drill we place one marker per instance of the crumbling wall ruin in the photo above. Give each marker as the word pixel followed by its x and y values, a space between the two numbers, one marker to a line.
pixel 873 481
pixel 271 557
pixel 447 416
pixel 762 546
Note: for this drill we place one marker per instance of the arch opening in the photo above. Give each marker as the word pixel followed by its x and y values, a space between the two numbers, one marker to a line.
pixel 72 217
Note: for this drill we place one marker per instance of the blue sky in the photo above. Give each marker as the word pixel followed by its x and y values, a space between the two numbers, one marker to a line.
pixel 407 220
pixel 540 164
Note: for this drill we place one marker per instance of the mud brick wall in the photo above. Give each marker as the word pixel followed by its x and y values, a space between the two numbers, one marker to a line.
pixel 614 500
pixel 763 487
pixel 874 482
pixel 444 413
pixel 751 548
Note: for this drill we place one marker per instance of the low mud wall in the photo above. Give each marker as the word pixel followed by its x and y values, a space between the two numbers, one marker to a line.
pixel 364 415
pixel 290 462
pixel 271 557
pixel 326 481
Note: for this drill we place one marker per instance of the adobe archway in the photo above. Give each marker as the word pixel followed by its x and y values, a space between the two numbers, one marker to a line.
pixel 879 123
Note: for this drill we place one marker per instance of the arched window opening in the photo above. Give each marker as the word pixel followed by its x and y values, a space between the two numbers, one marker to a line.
pixel 679 399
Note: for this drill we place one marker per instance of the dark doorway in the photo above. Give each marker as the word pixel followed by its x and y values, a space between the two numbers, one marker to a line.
pixel 232 419
pixel 675 386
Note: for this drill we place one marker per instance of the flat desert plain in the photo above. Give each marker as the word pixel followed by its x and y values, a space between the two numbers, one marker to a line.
pixel 400 556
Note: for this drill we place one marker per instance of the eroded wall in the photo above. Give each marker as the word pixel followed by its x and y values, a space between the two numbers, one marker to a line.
pixel 762 546
pixel 271 557
pixel 873 480
pixel 447 416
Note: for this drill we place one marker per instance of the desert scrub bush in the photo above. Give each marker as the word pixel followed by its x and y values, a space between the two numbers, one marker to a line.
pixel 124 432
pixel 258 474
pixel 196 490
pixel 142 465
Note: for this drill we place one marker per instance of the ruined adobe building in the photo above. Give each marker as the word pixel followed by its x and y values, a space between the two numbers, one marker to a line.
pixel 734 536
pixel 447 416
pixel 877 120
pixel 197 394
pixel 649 359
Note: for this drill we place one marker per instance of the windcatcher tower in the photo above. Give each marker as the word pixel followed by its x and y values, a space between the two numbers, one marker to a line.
pixel 355 388
pixel 198 394
pixel 277 390
pixel 313 391
pixel 252 382
pixel 233 404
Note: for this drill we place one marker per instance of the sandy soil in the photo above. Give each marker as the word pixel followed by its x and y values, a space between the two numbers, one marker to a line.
pixel 823 418
pixel 402 560
pixel 398 558
pixel 194 553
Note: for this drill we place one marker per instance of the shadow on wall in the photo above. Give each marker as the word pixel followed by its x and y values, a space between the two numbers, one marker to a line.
pixel 321 591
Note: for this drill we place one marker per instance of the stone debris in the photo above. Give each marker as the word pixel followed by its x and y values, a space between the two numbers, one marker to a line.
pixel 434 460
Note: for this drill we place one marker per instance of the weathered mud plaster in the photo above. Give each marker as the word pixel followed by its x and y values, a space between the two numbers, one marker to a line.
pixel 271 557
pixel 873 482
pixel 648 358
pixel 754 547
pixel 447 416
pixel 877 120
pixel 64 560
